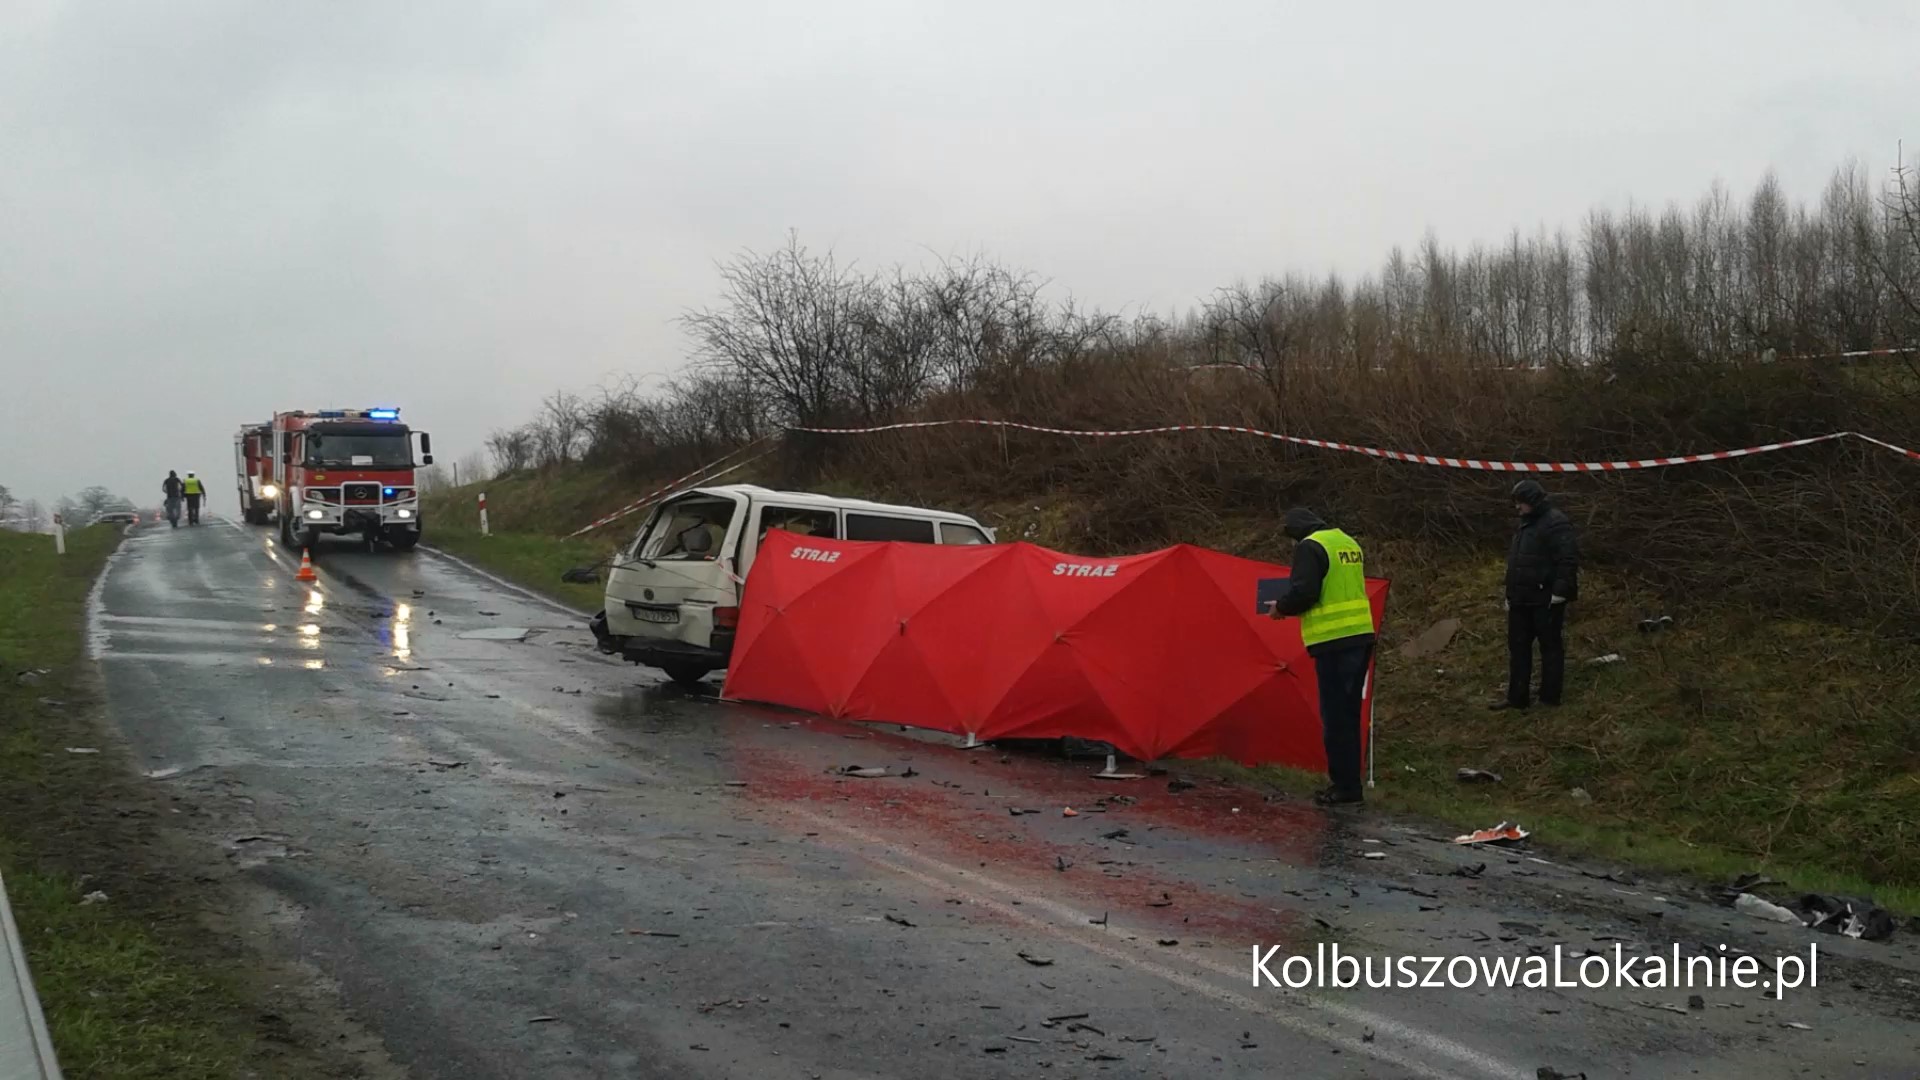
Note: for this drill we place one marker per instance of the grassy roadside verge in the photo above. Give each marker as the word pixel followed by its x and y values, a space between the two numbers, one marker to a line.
pixel 131 988
pixel 1726 744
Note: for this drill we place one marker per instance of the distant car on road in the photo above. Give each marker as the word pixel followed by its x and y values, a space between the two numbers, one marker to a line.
pixel 116 517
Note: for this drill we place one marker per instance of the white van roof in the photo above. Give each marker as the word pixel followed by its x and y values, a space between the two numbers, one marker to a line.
pixel 756 493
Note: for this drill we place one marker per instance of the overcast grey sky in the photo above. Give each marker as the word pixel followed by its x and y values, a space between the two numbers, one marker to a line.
pixel 210 210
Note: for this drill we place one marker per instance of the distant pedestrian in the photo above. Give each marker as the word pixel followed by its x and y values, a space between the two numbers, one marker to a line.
pixel 194 491
pixel 172 489
pixel 1327 590
pixel 1543 577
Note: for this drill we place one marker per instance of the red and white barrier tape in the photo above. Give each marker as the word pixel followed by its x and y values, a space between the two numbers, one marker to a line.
pixel 1393 455
pixel 1855 354
pixel 654 496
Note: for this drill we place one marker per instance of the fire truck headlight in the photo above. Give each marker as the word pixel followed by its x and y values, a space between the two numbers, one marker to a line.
pixel 268 491
pixel 403 514
pixel 316 515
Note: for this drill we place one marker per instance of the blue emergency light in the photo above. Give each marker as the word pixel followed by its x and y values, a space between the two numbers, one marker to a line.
pixel 384 414
pixel 388 492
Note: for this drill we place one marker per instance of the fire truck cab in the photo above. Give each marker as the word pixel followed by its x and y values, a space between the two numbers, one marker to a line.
pixel 346 471
pixel 253 460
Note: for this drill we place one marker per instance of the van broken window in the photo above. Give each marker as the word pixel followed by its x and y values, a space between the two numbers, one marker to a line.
pixel 688 529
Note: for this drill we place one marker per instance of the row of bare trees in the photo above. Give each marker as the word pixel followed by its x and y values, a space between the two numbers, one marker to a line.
pixel 1721 281
pixel 798 337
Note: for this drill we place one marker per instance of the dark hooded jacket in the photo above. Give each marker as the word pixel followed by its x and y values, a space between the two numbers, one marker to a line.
pixel 1308 572
pixel 1544 559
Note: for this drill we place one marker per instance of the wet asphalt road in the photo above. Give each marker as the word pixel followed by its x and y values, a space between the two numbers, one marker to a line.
pixel 522 859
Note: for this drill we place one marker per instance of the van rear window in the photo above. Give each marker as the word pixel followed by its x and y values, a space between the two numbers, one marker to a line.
pixel 955 533
pixel 688 529
pixel 874 527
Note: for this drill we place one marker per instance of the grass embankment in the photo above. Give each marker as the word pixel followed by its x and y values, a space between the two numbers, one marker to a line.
pixel 528 518
pixel 1727 743
pixel 125 994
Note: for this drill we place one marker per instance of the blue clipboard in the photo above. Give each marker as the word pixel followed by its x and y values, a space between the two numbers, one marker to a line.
pixel 1267 590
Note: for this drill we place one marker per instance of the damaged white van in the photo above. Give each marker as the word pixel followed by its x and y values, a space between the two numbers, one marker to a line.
pixel 673 595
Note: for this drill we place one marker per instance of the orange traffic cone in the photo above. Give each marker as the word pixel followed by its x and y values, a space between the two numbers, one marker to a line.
pixel 306 567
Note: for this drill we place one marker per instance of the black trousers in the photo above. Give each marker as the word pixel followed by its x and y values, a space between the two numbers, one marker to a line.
pixel 1546 624
pixel 193 509
pixel 1342 672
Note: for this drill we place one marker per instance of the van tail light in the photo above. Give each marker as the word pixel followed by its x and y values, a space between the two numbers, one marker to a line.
pixel 727 618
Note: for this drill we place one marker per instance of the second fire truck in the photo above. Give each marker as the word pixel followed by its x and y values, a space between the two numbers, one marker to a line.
pixel 346 471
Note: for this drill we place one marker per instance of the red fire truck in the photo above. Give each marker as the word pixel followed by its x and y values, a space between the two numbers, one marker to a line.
pixel 253 459
pixel 346 471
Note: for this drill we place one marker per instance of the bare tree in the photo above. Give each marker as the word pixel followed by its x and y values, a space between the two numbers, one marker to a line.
pixel 511 450
pixel 786 324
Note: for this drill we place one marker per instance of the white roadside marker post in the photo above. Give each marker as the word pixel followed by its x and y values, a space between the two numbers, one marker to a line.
pixel 59 535
pixel 483 514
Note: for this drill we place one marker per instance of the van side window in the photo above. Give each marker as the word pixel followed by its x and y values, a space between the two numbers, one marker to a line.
pixel 952 533
pixel 798 521
pixel 874 527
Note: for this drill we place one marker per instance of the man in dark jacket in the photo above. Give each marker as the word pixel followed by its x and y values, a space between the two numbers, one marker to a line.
pixel 1327 591
pixel 1543 577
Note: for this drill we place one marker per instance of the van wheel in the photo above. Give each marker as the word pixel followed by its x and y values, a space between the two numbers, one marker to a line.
pixel 686 674
pixel 403 541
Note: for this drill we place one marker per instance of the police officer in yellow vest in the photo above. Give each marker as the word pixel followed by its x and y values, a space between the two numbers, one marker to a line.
pixel 193 489
pixel 1327 590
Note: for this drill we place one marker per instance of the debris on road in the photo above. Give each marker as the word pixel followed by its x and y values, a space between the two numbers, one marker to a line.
pixel 1168 941
pixel 1695 1001
pixel 1847 917
pixel 1476 776
pixel 82 750
pixel 1177 785
pixel 1016 811
pixel 1117 834
pixel 1656 624
pixel 496 633
pixel 1610 658
pixel 1166 900
pixel 1036 961
pixel 543 1020
pixel 1502 834
pixel 1060 863
pixel 1373 854
pixel 897 920
pixel 1663 1006
pixel 94 897
pixel 1069 811
pixel 1546 1073
pixel 1796 1025
pixel 1473 871
pixel 866 772
pixel 1431 640
pixel 1749 904
pixel 1101 921
pixel 445 764
pixel 652 933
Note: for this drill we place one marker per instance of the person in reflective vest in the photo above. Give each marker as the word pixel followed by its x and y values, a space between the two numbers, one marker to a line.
pixel 193 490
pixel 1327 592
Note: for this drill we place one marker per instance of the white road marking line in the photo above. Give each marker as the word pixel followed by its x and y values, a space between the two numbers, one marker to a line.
pixel 231 524
pixel 1431 1044
pixel 503 583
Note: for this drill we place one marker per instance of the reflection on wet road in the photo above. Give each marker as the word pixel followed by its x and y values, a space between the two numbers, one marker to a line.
pixel 472 832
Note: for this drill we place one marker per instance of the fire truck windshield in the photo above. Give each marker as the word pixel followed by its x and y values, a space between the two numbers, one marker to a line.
pixel 382 450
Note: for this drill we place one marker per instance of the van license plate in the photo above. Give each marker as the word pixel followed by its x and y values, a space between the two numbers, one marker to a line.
pixel 664 616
